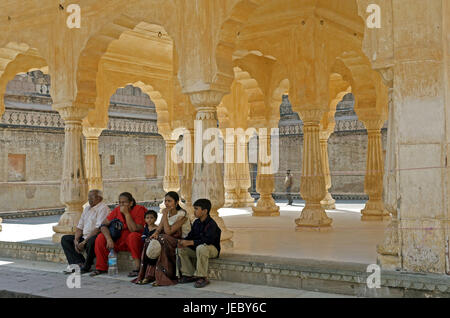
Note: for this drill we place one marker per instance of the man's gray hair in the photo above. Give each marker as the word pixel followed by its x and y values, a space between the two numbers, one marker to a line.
pixel 97 192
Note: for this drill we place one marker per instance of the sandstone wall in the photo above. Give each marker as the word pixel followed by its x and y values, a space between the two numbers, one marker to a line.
pixel 44 149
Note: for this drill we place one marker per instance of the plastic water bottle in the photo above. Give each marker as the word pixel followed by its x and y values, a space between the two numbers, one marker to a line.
pixel 112 263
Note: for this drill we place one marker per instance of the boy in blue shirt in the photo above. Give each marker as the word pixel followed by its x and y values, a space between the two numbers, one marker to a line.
pixel 201 244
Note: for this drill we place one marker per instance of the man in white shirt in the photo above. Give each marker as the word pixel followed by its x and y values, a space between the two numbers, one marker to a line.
pixel 87 230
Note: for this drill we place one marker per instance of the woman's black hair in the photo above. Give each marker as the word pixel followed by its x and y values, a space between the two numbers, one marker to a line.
pixel 175 197
pixel 129 197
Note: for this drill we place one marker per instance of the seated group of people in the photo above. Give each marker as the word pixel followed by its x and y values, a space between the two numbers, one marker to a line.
pixel 172 252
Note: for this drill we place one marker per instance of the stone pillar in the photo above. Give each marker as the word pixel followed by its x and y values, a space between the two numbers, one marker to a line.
pixel 243 176
pixel 230 180
pixel 373 181
pixel 171 181
pixel 188 173
pixel 237 176
pixel 74 185
pixel 328 202
pixel 208 181
pixel 312 188
pixel 93 165
pixel 2 111
pixel 389 250
pixel 265 183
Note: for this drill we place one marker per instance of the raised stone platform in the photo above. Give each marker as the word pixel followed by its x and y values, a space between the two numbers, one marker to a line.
pixel 312 275
pixel 60 211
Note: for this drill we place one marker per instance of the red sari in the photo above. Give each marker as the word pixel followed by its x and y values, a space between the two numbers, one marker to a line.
pixel 161 270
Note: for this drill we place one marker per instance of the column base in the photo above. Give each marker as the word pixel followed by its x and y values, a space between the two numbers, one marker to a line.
pixel 189 209
pixel 366 217
pixel 313 218
pixel 328 203
pixel 231 199
pixel 388 250
pixel 389 262
pixel 66 225
pixel 266 211
pixel 226 234
pixel 224 244
pixel 375 211
pixel 266 207
pixel 247 200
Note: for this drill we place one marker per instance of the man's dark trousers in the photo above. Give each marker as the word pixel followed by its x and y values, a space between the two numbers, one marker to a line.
pixel 289 196
pixel 73 257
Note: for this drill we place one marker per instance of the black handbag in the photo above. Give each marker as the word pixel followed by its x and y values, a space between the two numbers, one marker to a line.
pixel 115 229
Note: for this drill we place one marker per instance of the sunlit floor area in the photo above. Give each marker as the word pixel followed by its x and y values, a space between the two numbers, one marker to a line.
pixel 350 239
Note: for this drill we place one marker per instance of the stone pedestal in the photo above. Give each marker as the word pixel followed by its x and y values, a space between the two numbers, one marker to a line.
pixel 312 188
pixel 93 165
pixel 265 182
pixel 208 181
pixel 74 185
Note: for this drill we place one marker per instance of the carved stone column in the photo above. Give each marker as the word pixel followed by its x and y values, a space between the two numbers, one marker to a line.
pixel 93 165
pixel 208 180
pixel 243 176
pixel 171 181
pixel 328 202
pixel 188 173
pixel 389 250
pixel 373 182
pixel 265 183
pixel 74 185
pixel 230 180
pixel 312 188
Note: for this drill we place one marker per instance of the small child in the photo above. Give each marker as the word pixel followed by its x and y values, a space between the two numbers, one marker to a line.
pixel 150 227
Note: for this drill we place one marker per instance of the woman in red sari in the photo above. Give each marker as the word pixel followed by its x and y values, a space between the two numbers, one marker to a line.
pixel 132 217
pixel 174 225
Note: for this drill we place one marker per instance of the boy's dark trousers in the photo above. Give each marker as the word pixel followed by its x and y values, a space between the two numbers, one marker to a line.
pixel 73 257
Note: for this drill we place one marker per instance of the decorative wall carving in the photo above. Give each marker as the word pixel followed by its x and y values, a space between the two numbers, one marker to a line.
pixel 16 117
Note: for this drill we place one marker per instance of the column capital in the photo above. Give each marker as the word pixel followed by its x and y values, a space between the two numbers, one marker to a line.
pixel 170 142
pixel 206 101
pixel 373 124
pixel 92 132
pixel 324 135
pixel 311 116
pixel 70 112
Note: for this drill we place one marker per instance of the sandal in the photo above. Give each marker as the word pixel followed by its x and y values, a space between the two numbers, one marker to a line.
pixel 133 273
pixel 97 272
pixel 145 281
pixel 155 284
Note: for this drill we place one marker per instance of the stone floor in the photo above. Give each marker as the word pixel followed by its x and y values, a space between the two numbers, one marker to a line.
pixel 351 240
pixel 47 280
